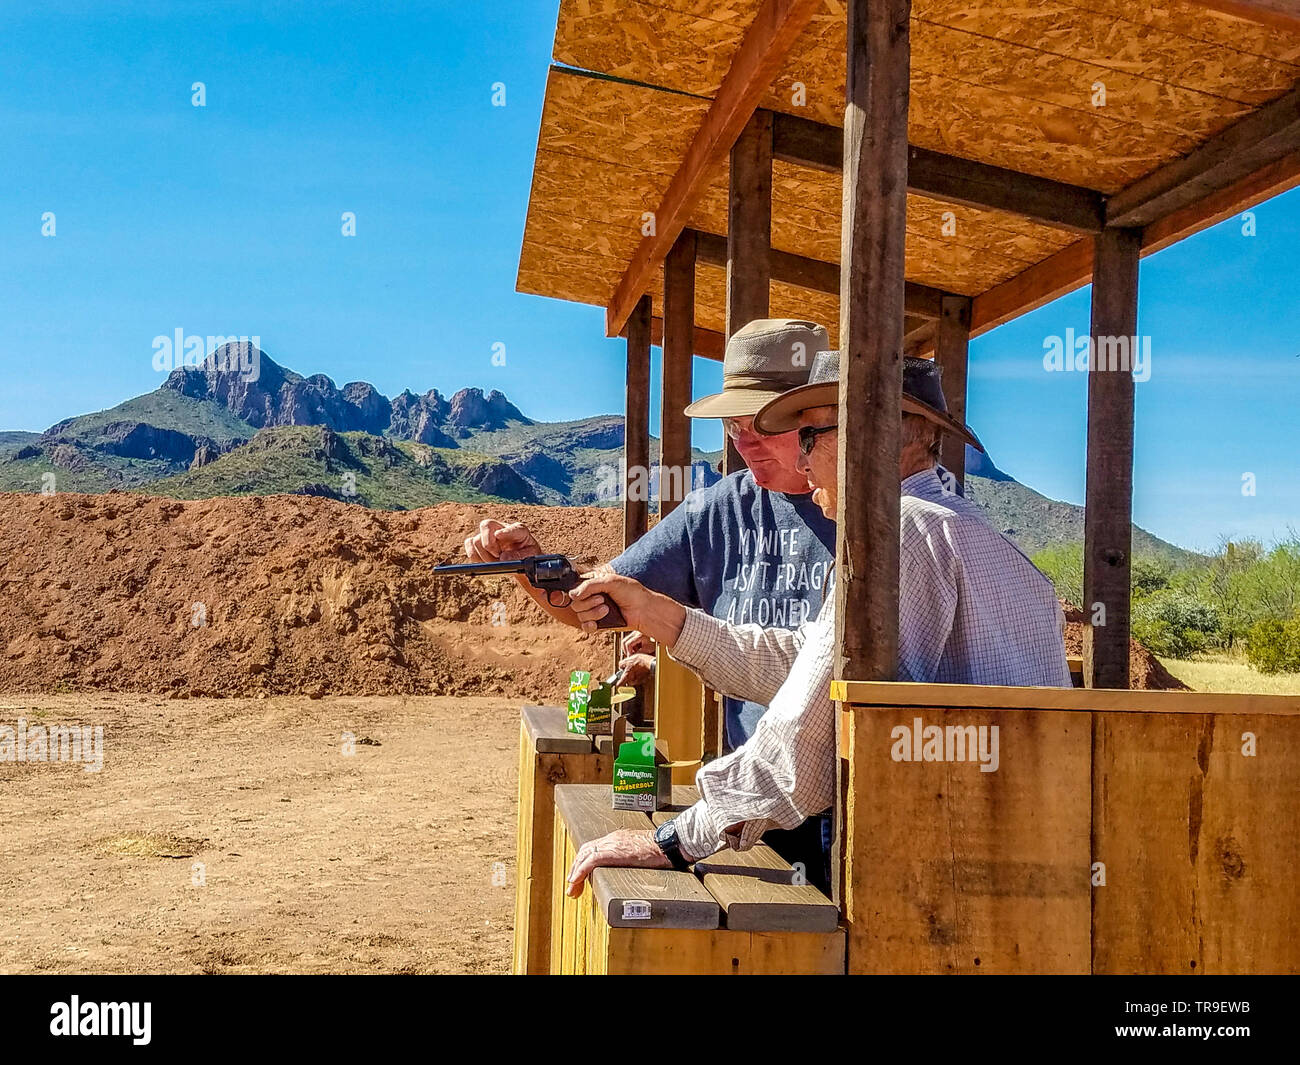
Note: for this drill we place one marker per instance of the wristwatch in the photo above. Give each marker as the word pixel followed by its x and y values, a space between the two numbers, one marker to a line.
pixel 666 838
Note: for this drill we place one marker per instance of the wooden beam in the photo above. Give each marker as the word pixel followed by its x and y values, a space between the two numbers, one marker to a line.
pixel 995 188
pixel 1262 185
pixel 1261 138
pixel 636 424
pixel 1108 503
pixel 871 338
pixel 708 344
pixel 1279 14
pixel 923 301
pixel 804 272
pixel 806 142
pixel 1071 267
pixel 918 334
pixel 918 341
pixel 749 240
pixel 675 389
pixel 950 351
pixel 951 178
pixel 1033 287
pixel 755 63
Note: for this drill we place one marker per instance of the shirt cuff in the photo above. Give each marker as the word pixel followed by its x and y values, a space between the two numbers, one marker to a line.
pixel 697 836
pixel 693 644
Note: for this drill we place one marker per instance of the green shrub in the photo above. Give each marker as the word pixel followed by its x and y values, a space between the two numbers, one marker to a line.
pixel 1063 566
pixel 1150 574
pixel 1163 639
pixel 1174 624
pixel 1273 646
pixel 1248 584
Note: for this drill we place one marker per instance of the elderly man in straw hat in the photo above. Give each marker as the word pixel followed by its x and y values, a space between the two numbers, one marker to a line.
pixel 972 610
pixel 753 549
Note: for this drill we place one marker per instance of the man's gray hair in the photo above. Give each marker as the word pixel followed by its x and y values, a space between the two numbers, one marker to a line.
pixel 923 433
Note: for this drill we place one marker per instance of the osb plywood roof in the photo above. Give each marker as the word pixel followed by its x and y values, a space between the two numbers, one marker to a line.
pixel 1005 82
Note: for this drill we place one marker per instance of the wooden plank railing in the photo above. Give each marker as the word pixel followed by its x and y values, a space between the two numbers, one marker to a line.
pixel 1121 832
pixel 732 914
pixel 548 755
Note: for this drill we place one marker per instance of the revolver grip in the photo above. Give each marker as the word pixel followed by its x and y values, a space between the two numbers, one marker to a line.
pixel 614 619
pixel 569 580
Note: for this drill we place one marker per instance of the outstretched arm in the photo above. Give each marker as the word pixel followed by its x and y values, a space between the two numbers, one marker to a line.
pixel 742 661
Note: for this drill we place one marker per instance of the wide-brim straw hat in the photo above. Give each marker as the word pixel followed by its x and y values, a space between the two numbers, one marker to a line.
pixel 763 359
pixel 922 394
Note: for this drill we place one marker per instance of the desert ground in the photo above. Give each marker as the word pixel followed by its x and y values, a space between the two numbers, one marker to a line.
pixel 312 860
pixel 227 647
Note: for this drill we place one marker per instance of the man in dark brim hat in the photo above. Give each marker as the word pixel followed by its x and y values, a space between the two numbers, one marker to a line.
pixel 972 610
pixel 753 548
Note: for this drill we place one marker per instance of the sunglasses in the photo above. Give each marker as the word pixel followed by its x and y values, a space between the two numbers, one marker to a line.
pixel 733 427
pixel 808 435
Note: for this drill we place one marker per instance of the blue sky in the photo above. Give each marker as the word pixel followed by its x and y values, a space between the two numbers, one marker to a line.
pixel 225 219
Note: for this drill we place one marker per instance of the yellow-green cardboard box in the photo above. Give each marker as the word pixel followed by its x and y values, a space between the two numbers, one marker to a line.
pixel 643 777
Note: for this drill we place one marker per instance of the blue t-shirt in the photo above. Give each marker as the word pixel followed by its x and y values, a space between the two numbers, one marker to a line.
pixel 743 554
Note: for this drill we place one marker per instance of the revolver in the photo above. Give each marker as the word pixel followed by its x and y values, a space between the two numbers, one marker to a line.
pixel 553 574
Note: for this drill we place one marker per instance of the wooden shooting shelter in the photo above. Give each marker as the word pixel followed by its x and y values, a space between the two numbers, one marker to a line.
pixel 913 174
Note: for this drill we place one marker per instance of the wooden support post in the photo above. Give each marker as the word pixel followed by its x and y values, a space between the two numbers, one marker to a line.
pixel 636 463
pixel 679 714
pixel 675 390
pixel 636 424
pixel 679 694
pixel 871 338
pixel 1108 513
pixel 749 224
pixel 749 238
pixel 872 305
pixel 950 348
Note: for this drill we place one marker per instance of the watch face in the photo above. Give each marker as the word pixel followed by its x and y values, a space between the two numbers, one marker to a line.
pixel 666 834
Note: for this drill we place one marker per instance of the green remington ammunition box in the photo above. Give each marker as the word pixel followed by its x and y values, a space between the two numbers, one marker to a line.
pixel 643 776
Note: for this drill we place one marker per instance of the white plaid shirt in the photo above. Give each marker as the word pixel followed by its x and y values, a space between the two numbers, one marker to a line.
pixel 972 610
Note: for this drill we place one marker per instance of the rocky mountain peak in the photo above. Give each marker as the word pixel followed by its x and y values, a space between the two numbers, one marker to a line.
pixel 258 390
pixel 471 409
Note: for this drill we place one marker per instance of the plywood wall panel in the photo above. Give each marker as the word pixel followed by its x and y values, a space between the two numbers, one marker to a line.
pixel 1200 844
pixel 953 870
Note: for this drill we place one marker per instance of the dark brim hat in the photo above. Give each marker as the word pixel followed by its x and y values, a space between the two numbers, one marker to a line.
pixel 763 359
pixel 922 395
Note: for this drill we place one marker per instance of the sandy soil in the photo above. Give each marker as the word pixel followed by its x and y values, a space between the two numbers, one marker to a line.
pixel 312 861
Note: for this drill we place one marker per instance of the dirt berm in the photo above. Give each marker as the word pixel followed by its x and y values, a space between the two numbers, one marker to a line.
pixel 284 594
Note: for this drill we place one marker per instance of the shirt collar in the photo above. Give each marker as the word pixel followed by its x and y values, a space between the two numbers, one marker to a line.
pixel 925 484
